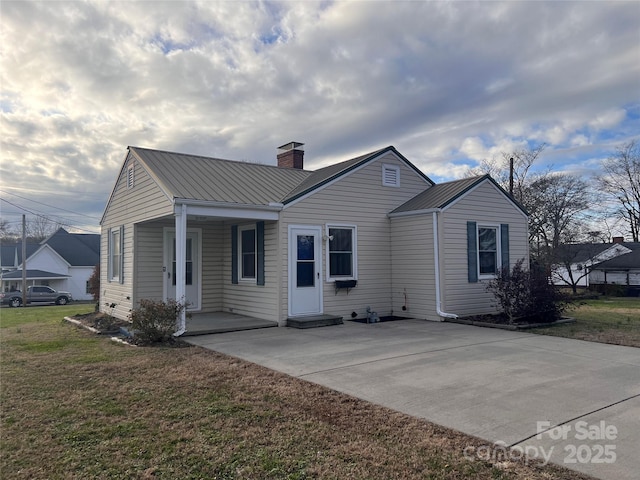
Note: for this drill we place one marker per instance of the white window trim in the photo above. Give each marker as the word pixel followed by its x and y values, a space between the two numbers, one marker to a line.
pixel 354 256
pixel 241 278
pixel 111 276
pixel 396 168
pixel 496 227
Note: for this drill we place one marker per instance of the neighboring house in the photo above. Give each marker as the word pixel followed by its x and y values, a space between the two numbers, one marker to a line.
pixel 574 260
pixel 282 243
pixel 64 261
pixel 621 270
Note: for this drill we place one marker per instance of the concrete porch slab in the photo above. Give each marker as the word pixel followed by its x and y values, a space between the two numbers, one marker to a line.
pixel 221 322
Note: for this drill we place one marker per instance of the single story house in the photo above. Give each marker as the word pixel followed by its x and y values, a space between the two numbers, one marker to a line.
pixel 573 261
pixel 281 243
pixel 63 261
pixel 622 270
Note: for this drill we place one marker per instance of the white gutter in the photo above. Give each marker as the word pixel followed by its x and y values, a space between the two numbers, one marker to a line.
pixel 436 259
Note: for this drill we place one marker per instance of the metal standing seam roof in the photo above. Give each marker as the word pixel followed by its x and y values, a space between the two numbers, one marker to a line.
pixel 442 194
pixel 217 180
pixel 213 179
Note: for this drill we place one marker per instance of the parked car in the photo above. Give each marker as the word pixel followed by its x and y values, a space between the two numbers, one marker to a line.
pixel 36 294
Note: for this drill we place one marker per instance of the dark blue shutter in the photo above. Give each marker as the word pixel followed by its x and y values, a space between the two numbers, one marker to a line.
pixel 234 254
pixel 260 252
pixel 472 252
pixel 504 244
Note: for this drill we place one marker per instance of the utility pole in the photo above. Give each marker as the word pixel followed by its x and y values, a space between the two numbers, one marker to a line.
pixel 511 176
pixel 24 259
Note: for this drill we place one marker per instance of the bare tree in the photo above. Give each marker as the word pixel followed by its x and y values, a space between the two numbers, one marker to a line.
pixel 621 182
pixel 499 168
pixel 40 228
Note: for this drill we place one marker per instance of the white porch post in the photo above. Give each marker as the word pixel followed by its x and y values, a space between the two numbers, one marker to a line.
pixel 181 259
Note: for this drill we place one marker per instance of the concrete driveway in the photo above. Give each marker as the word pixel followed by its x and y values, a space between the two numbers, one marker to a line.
pixel 498 385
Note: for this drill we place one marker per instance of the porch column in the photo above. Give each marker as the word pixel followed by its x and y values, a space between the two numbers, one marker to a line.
pixel 181 259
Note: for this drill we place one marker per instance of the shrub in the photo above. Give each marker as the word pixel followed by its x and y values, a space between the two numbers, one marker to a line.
pixel 155 321
pixel 526 294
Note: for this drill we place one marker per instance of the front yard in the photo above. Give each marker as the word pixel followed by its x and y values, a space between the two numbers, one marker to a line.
pixel 608 320
pixel 76 405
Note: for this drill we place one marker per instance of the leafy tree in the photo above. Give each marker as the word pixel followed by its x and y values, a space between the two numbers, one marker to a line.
pixel 621 182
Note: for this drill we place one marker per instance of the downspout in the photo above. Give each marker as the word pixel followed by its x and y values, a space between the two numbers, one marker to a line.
pixel 436 260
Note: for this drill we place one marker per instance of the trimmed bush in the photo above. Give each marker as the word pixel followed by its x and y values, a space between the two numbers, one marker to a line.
pixel 154 321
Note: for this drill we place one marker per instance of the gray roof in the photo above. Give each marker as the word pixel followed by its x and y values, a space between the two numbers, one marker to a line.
pixel 628 261
pixel 78 249
pixel 32 275
pixel 442 194
pixel 584 252
pixel 218 180
pixel 8 253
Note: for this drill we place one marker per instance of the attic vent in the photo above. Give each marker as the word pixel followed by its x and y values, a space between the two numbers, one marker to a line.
pixel 390 176
pixel 130 176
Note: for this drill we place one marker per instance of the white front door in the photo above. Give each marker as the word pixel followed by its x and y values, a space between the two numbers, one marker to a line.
pixel 305 265
pixel 192 268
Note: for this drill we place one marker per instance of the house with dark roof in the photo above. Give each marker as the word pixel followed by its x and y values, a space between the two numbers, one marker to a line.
pixel 63 261
pixel 620 270
pixel 573 261
pixel 294 246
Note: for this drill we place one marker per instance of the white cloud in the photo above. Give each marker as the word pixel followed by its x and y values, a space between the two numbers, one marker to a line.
pixel 447 83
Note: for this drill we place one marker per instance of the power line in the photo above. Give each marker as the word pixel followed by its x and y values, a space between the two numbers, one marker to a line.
pixel 46 217
pixel 46 205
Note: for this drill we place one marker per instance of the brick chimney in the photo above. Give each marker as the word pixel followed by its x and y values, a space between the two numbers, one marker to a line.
pixel 617 240
pixel 291 155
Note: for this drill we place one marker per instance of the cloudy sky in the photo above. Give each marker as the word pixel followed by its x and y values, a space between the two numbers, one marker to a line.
pixel 447 83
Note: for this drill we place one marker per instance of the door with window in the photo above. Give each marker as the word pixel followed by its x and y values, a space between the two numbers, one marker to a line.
pixel 192 268
pixel 305 265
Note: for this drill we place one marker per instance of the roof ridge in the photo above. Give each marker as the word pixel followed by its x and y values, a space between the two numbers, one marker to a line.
pixel 238 162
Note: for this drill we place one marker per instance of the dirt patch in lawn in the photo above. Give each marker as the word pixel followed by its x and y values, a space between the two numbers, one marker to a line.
pixel 89 408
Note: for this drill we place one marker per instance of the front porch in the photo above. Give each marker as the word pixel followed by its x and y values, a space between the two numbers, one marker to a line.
pixel 220 322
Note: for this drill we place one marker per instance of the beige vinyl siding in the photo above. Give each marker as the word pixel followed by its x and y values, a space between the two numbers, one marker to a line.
pixel 413 278
pixel 126 207
pixel 151 261
pixel 484 204
pixel 357 198
pixel 247 298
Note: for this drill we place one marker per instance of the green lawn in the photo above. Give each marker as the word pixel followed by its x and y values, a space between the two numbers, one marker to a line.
pixel 608 320
pixel 76 405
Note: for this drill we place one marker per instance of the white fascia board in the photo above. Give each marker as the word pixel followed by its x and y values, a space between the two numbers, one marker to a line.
pixel 228 210
pixel 414 212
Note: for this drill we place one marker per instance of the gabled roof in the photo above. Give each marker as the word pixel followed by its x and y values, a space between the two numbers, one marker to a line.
pixel 628 261
pixel 581 252
pixel 194 177
pixel 33 275
pixel 443 194
pixel 217 180
pixel 8 253
pixel 331 172
pixel 78 250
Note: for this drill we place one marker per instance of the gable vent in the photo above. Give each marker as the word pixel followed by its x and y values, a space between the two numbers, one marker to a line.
pixel 390 176
pixel 130 176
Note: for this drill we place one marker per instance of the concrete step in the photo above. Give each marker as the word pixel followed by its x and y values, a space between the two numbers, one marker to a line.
pixel 314 321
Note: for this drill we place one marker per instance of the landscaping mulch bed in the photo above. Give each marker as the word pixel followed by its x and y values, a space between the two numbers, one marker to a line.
pixel 387 318
pixel 502 322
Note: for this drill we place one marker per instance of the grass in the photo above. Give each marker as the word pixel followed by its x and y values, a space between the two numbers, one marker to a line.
pixel 76 405
pixel 613 320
